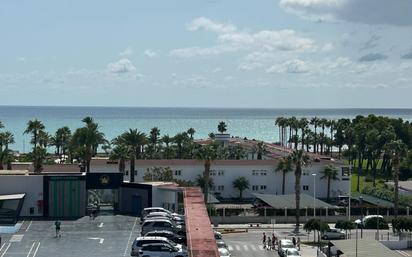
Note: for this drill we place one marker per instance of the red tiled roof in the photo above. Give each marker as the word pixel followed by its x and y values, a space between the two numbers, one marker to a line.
pixel 200 238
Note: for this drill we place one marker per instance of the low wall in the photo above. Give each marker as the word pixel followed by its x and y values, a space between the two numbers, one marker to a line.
pixel 396 245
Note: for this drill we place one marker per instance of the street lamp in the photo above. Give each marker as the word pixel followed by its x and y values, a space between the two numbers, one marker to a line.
pixel 377 221
pixel 314 194
pixel 349 193
pixel 361 204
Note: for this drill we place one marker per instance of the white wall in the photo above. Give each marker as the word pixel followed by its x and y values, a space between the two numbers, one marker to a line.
pixel 164 198
pixel 272 180
pixel 32 186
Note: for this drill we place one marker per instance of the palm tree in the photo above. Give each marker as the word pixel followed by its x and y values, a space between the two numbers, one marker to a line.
pixel 315 123
pixel 303 124
pixel 330 172
pixel 261 150
pixel 1 125
pixel 222 127
pixel 204 184
pixel 38 155
pixel 208 154
pixel 396 150
pixel 284 166
pixel 6 138
pixel 87 139
pixel 323 123
pixel 168 151
pixel 134 140
pixel 121 153
pixel 180 139
pixel 299 159
pixel 191 132
pixel 34 127
pixel 61 140
pixel 241 183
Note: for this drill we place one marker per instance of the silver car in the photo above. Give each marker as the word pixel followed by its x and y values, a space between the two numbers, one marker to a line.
pixel 161 224
pixel 140 241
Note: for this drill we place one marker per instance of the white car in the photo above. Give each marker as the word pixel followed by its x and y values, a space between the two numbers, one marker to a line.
pixel 292 252
pixel 221 244
pixel 161 250
pixel 285 244
pixel 223 252
pixel 140 241
pixel 361 223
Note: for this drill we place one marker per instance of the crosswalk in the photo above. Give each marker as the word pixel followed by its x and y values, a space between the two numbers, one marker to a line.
pixel 246 247
pixel 403 253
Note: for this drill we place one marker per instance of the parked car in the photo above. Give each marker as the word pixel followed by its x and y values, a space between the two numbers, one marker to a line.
pixel 140 241
pixel 161 224
pixel 221 244
pixel 333 234
pixel 159 209
pixel 223 252
pixel 285 244
pixel 178 239
pixel 218 235
pixel 164 215
pixel 161 250
pixel 292 252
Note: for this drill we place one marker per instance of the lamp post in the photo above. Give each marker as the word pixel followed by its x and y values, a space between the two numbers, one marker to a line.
pixel 314 194
pixel 349 193
pixel 361 204
pixel 377 221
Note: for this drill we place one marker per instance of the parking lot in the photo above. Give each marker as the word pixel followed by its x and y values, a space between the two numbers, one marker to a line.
pixel 104 236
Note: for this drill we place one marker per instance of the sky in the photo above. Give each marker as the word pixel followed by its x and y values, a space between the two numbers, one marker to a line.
pixel 207 53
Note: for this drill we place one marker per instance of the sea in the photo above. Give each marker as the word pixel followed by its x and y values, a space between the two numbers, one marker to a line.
pixel 250 123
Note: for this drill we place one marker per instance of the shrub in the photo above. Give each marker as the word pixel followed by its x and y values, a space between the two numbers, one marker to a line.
pixel 372 223
pixel 402 224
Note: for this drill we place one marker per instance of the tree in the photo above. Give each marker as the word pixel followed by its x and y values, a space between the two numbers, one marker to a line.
pixel 241 183
pixel 221 127
pixel 61 140
pixel 345 225
pixel 6 155
pixel 208 154
pixel 191 132
pixel 34 127
pixel 299 159
pixel 284 166
pixel 303 124
pixel 134 140
pixel 181 140
pixel 329 172
pixel 396 149
pixel 261 150
pixel 168 151
pixel 315 123
pixel 315 225
pixel 205 184
pixel 38 155
pixel 120 152
pixel 87 139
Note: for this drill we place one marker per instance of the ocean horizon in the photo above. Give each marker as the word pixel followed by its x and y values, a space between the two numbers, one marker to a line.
pixel 253 123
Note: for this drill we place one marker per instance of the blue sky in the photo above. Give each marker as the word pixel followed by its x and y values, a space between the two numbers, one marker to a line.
pixel 207 53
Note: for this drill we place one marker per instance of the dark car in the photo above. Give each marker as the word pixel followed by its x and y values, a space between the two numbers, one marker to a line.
pixel 178 239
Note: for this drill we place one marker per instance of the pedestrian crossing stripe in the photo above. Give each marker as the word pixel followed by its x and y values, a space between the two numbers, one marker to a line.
pixel 245 248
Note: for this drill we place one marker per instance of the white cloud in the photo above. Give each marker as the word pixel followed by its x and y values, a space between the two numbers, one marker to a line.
pixel 203 23
pixel 126 52
pixel 327 47
pixel 358 11
pixel 292 66
pixel 248 66
pixel 150 53
pixel 121 66
pixel 230 40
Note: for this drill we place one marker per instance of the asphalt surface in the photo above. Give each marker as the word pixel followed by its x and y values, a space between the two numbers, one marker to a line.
pixel 105 236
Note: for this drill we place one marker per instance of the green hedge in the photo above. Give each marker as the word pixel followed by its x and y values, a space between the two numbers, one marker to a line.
pixel 387 194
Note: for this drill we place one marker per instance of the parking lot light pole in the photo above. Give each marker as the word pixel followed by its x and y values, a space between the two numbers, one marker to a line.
pixel 314 194
pixel 361 204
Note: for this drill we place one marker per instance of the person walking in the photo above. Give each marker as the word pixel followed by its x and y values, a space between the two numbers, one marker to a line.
pixel 294 241
pixel 269 243
pixel 274 239
pixel 298 243
pixel 57 224
pixel 264 240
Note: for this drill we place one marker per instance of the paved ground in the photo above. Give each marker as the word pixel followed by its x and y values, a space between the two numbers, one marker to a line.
pixel 250 244
pixel 105 236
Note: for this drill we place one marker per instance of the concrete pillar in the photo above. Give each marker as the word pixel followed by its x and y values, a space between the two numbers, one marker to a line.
pixel 407 211
pixel 264 212
pixel 367 211
pixel 326 211
pixel 387 212
pixel 306 211
pixel 286 211
pixel 224 214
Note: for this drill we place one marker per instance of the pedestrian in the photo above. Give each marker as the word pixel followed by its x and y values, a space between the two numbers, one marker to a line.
pixel 274 241
pixel 299 243
pixel 264 240
pixel 269 243
pixel 57 225
pixel 294 241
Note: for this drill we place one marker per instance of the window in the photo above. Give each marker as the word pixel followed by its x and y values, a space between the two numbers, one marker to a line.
pixel 221 173
pixel 255 173
pixel 212 173
pixel 263 187
pixel 259 172
pixel 127 173
pixel 305 188
pixel 255 188
pixel 220 188
pixel 263 173
pixel 213 188
pixel 178 172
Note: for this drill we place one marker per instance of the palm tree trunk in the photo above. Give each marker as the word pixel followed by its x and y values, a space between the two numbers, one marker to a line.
pixel 315 143
pixel 283 183
pixel 297 196
pixel 359 171
pixel 132 169
pixel 328 196
pixel 240 195
pixel 396 180
pixel 206 179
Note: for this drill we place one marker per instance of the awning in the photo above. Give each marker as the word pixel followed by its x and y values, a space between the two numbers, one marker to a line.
pixel 375 201
pixel 12 197
pixel 288 201
pixel 366 248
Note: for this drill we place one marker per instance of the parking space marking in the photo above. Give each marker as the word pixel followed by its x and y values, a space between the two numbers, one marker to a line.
pixel 101 240
pixel 230 248
pixel 237 247
pixel 130 237
pixel 403 253
pixel 253 247
pixel 5 251
pixel 246 248
pixel 31 249
pixel 101 225
pixel 28 227
pixel 37 248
